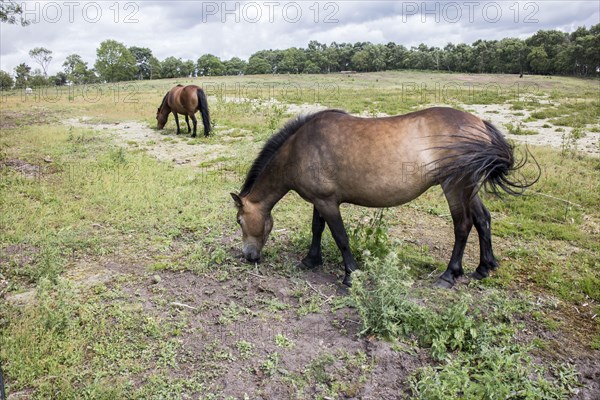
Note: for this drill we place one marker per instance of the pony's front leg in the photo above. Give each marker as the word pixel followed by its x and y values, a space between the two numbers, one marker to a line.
pixel 187 121
pixel 314 257
pixel 331 214
pixel 176 121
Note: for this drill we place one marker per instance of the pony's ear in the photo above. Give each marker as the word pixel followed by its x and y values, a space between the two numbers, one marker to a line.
pixel 236 199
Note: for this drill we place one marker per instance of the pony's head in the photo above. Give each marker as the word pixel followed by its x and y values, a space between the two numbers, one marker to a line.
pixel 162 114
pixel 256 227
pixel 161 119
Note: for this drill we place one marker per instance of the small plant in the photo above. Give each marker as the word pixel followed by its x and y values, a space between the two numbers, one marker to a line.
pixel 245 348
pixel 370 235
pixel 518 129
pixel 282 341
pixel 274 116
pixel 269 366
pixel 569 141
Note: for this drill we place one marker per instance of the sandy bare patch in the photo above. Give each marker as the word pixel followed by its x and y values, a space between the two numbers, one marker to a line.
pixel 501 114
pixel 169 148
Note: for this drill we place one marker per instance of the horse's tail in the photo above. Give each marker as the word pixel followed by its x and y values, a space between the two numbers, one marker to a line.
pixel 203 107
pixel 486 159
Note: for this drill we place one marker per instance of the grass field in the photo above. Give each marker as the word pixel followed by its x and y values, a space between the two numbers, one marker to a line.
pixel 120 271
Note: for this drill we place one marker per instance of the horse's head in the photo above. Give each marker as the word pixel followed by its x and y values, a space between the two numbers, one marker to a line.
pixel 256 227
pixel 161 119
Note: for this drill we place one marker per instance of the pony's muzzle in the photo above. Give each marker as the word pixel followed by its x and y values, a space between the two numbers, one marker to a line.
pixel 251 253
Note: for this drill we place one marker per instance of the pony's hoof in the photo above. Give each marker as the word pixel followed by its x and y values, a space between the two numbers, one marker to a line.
pixel 194 135
pixel 347 281
pixel 478 275
pixel 307 264
pixel 444 284
pixel 343 290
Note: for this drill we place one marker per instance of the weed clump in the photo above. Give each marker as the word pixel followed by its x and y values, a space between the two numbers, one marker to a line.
pixel 475 349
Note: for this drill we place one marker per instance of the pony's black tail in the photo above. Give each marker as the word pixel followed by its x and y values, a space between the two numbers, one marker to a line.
pixel 475 162
pixel 203 107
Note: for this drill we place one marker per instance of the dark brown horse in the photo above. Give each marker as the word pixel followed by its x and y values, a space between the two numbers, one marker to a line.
pixel 331 157
pixel 184 100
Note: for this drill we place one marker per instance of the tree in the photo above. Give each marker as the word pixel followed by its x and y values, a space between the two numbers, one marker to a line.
pixel 510 56
pixel 316 53
pixel 143 57
pixel 188 69
pixel 155 70
pixel 42 56
pixel 292 62
pixel 171 67
pixel 6 81
pixel 22 75
pixel 396 56
pixel 210 65
pixel 77 70
pixel 538 60
pixel 235 66
pixel 12 13
pixel 258 65
pixel 60 79
pixel 311 68
pixel 37 79
pixel 114 62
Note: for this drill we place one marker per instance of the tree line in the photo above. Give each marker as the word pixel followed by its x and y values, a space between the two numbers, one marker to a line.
pixel 545 52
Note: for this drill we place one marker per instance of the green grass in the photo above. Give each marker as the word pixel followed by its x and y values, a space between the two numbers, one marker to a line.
pixel 519 130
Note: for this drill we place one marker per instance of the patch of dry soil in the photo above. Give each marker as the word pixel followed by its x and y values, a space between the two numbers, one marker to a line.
pixel 175 149
pixel 501 114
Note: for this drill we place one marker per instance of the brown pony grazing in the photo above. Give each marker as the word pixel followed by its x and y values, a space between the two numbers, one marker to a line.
pixel 184 100
pixel 331 157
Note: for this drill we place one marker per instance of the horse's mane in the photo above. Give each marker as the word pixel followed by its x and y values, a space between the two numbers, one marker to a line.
pixel 163 101
pixel 273 145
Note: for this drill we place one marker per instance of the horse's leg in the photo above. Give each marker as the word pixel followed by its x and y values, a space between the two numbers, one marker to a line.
pixel 195 123
pixel 314 257
pixel 331 215
pixel 482 221
pixel 458 200
pixel 187 121
pixel 176 121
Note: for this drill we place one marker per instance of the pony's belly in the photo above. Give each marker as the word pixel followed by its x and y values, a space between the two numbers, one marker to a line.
pixel 380 198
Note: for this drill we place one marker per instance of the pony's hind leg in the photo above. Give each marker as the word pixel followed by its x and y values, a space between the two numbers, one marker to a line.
pixel 195 123
pixel 187 121
pixel 482 221
pixel 315 257
pixel 458 200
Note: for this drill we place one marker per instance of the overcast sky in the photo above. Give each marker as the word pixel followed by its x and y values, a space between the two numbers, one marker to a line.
pixel 189 29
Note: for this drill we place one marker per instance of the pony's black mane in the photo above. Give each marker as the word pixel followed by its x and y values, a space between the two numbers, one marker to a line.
pixel 273 145
pixel 162 103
